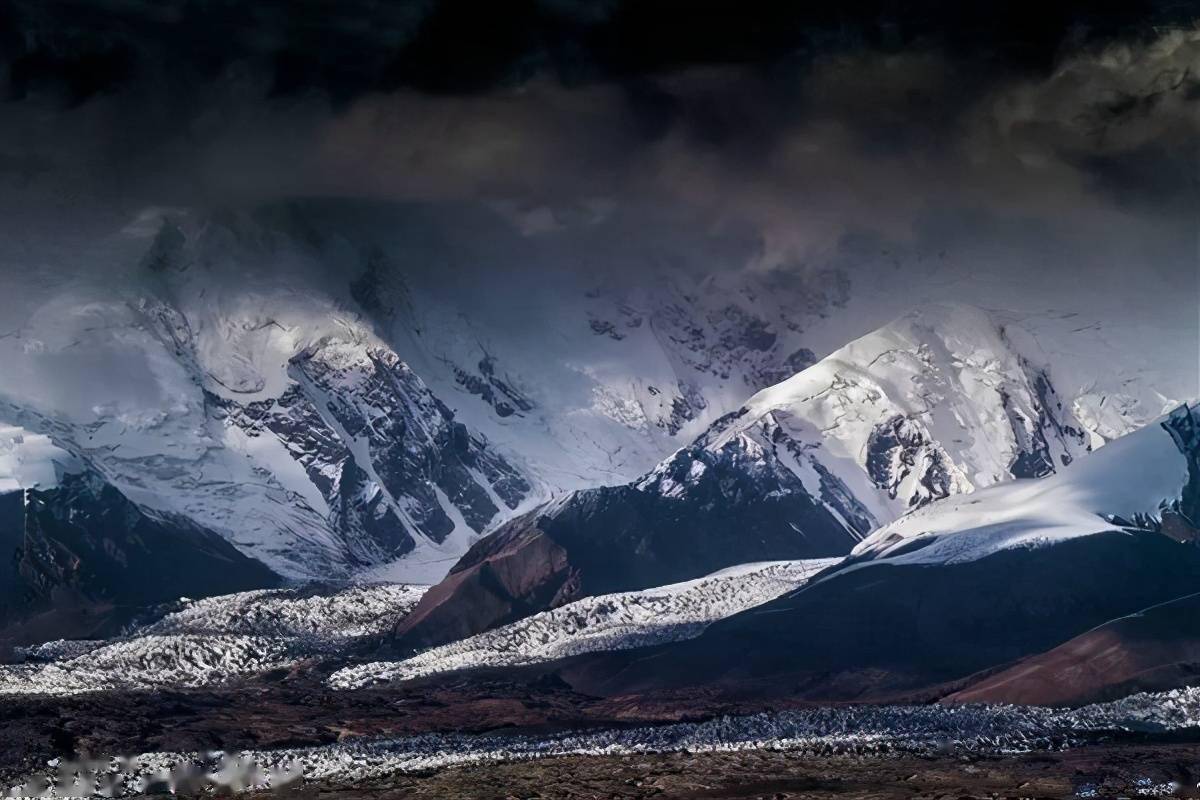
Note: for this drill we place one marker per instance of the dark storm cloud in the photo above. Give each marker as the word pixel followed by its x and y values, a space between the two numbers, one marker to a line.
pixel 805 123
pixel 345 49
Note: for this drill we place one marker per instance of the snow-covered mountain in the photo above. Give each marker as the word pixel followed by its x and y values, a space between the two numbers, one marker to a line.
pixel 970 583
pixel 275 379
pixel 940 402
pixel 279 419
pixel 348 388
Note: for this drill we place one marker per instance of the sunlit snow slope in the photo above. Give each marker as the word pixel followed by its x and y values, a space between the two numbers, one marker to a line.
pixel 1135 481
pixel 942 401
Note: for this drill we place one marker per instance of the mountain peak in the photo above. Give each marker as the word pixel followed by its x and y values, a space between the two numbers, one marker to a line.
pixel 938 402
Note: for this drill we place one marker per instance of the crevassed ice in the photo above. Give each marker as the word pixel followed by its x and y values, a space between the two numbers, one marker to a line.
pixel 606 622
pixel 214 640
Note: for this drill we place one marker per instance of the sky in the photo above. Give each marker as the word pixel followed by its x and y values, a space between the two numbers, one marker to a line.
pixel 1041 149
pixel 802 123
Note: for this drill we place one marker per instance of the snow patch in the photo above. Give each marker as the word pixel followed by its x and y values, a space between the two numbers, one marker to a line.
pixel 29 460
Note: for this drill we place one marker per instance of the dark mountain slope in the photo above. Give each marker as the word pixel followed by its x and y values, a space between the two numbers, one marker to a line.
pixel 81 560
pixel 621 538
pixel 1154 649
pixel 884 630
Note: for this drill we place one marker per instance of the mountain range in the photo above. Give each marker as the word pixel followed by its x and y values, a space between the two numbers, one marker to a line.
pixel 276 396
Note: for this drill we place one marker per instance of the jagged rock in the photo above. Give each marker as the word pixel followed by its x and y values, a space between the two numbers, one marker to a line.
pixel 494 390
pixel 380 448
pixel 1181 521
pixel 602 327
pixel 899 449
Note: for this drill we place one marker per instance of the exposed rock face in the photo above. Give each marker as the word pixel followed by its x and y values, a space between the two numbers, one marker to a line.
pixel 388 458
pixel 82 560
pixel 493 389
pixel 501 579
pixel 412 438
pixel 368 527
pixel 1048 431
pixel 1181 520
pixel 899 450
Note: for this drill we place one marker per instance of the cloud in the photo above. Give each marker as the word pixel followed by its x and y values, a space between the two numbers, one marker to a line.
pixel 817 145
pixel 1117 98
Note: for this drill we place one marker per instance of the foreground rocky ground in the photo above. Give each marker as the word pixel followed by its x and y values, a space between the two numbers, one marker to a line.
pixel 284 710
pixel 259 716
pixel 1110 770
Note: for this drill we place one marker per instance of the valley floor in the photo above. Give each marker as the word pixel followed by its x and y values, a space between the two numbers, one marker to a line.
pixel 382 743
pixel 1102 771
